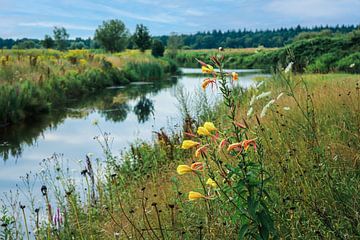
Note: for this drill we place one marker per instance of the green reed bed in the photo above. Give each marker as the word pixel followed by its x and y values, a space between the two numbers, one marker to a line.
pixel 34 81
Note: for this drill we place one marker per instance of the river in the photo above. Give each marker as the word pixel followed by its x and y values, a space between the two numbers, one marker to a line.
pixel 128 113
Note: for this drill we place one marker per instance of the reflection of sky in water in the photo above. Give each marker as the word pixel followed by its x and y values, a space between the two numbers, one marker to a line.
pixel 74 136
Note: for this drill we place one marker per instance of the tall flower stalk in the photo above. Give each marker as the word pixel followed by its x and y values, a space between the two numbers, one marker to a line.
pixel 233 162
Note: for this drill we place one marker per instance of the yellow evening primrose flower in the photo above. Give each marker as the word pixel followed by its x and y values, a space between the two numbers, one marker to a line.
pixel 195 196
pixel 183 169
pixel 206 82
pixel 207 69
pixel 210 126
pixel 203 131
pixel 235 76
pixel 211 183
pixel 189 144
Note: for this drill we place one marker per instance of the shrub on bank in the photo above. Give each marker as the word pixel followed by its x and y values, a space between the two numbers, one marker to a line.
pixel 144 71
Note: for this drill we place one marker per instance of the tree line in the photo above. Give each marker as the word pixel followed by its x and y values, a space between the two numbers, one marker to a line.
pixel 113 36
pixel 244 38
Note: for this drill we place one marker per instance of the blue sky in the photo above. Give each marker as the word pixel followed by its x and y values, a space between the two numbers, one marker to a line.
pixel 29 18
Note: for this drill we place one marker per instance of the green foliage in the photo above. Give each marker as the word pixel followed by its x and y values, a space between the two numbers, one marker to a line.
pixel 144 71
pixel 320 53
pixel 60 36
pixel 349 63
pixel 26 44
pixel 174 43
pixel 48 42
pixel 157 49
pixel 77 45
pixel 269 38
pixel 112 35
pixel 324 64
pixel 142 37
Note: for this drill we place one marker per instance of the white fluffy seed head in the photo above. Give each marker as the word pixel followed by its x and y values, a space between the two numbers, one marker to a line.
pixel 266 107
pixel 262 95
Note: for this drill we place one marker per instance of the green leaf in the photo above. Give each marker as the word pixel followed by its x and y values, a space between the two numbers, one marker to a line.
pixel 252 206
pixel 243 231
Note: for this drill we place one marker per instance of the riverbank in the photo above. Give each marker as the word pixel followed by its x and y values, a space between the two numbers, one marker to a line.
pixel 321 54
pixel 36 81
pixel 305 130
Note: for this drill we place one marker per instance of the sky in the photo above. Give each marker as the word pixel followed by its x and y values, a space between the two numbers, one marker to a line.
pixel 34 19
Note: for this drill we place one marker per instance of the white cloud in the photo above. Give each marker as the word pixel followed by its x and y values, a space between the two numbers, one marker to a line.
pixel 52 24
pixel 194 13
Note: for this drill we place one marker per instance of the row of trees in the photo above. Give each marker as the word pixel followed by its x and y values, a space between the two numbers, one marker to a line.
pixel 113 36
pixel 244 38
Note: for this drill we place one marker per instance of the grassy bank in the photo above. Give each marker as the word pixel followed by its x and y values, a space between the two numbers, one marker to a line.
pixel 35 81
pixel 285 165
pixel 319 54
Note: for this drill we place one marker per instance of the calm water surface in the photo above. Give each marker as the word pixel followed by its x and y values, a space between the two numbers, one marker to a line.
pixel 128 113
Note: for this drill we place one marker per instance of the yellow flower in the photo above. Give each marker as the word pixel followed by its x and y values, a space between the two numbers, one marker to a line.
pixel 207 69
pixel 183 169
pixel 211 183
pixel 195 196
pixel 189 144
pixel 82 62
pixel 235 76
pixel 203 131
pixel 210 126
pixel 206 82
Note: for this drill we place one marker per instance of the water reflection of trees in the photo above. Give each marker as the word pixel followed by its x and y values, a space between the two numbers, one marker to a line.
pixel 143 109
pixel 14 138
pixel 116 114
pixel 112 104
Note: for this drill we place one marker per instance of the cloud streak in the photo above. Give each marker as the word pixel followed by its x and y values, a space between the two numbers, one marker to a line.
pixel 57 24
pixel 36 18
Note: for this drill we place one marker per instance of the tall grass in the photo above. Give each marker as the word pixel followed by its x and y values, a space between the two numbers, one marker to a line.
pixel 308 143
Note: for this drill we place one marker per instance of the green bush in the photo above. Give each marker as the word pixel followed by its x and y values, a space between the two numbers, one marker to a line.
pixel 157 49
pixel 144 71
pixel 350 63
pixel 323 64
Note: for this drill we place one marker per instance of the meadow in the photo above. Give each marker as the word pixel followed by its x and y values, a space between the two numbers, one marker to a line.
pixel 278 160
pixel 36 81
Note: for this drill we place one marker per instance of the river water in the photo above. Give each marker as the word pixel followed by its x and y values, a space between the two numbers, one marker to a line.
pixel 128 113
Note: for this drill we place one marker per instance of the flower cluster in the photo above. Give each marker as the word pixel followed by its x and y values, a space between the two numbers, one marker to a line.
pixel 208 69
pixel 208 129
pixel 212 135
